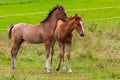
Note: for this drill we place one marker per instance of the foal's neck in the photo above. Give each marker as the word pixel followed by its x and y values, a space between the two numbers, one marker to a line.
pixel 53 22
pixel 69 27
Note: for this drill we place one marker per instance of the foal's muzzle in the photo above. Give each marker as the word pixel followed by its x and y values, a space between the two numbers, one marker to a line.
pixel 81 34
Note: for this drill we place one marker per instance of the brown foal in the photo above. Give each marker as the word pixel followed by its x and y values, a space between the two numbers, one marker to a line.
pixel 63 34
pixel 40 33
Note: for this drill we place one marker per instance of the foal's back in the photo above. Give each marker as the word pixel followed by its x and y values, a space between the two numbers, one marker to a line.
pixel 31 33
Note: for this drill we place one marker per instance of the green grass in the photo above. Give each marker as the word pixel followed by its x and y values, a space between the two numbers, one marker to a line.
pixel 94 57
pixel 41 6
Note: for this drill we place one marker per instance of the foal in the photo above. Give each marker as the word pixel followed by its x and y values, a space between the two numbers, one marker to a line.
pixel 40 33
pixel 63 34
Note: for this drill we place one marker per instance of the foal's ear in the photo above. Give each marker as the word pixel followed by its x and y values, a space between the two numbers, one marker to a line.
pixel 76 15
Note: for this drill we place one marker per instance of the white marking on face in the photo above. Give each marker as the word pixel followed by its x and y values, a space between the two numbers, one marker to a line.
pixel 82 25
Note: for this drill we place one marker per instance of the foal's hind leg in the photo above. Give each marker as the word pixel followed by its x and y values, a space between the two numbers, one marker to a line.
pixel 63 63
pixel 14 51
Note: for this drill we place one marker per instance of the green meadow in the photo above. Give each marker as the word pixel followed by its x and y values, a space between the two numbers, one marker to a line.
pixel 96 56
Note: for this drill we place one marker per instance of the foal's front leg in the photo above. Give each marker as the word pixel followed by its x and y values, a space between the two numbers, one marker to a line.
pixel 61 46
pixel 68 56
pixel 52 53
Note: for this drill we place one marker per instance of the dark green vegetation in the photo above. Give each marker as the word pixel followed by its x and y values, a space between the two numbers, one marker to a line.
pixel 94 57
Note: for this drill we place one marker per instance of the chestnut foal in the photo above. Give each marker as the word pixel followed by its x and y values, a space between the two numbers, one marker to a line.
pixel 63 34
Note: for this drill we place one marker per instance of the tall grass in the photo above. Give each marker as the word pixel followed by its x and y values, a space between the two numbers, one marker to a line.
pixel 96 56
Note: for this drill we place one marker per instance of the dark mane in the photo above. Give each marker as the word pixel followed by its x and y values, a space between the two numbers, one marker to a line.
pixel 49 14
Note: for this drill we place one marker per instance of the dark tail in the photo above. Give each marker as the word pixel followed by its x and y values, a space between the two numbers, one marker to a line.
pixel 9 30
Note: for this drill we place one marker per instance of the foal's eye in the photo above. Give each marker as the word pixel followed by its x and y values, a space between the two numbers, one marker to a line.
pixel 78 24
pixel 64 14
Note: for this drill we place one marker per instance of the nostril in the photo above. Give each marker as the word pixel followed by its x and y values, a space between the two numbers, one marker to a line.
pixel 82 35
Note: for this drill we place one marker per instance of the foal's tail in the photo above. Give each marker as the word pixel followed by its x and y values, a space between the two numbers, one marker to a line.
pixel 9 30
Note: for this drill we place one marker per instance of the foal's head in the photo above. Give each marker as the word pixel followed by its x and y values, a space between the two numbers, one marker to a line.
pixel 78 24
pixel 61 13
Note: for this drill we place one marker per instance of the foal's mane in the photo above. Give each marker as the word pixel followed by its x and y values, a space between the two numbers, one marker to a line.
pixel 49 14
pixel 76 16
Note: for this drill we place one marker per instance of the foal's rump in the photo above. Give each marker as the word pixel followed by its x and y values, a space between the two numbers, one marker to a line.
pixel 15 31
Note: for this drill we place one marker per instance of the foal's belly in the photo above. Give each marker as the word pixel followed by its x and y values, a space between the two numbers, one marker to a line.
pixel 34 40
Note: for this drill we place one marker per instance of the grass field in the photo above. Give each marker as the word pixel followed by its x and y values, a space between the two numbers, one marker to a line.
pixel 94 57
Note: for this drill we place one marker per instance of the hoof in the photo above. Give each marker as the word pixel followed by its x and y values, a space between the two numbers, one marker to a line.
pixel 57 69
pixel 14 69
pixel 48 71
pixel 69 70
